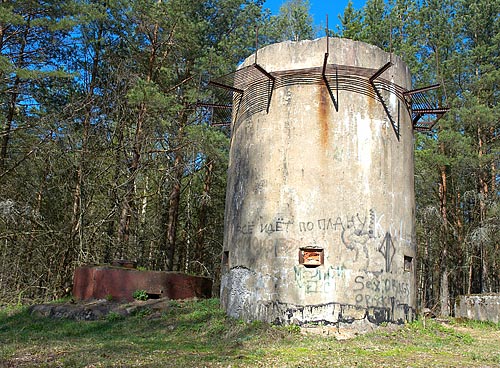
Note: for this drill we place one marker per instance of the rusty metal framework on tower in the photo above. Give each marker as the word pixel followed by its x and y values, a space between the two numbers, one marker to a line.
pixel 247 91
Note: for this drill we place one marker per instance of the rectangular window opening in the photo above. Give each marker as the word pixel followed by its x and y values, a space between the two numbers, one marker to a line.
pixel 408 263
pixel 225 258
pixel 311 257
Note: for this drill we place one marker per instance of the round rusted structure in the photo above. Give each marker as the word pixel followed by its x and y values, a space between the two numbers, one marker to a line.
pixel 320 209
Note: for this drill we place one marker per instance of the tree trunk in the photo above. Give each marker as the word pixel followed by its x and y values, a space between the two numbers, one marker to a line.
pixel 11 112
pixel 8 124
pixel 461 246
pixel 424 273
pixel 444 298
pixel 77 226
pixel 444 292
pixel 483 195
pixel 128 208
pixel 202 214
pixel 124 222
pixel 173 211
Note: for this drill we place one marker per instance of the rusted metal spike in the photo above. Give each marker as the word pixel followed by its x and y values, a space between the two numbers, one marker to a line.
pixel 379 72
pixel 423 89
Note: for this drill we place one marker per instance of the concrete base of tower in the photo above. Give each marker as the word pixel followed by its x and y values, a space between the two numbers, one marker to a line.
pixel 242 300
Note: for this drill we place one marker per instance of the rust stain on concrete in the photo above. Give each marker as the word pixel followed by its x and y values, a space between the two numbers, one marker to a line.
pixel 372 103
pixel 324 110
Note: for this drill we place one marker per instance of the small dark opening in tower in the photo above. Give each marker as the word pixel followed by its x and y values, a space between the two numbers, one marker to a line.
pixel 225 258
pixel 408 263
pixel 154 295
pixel 311 257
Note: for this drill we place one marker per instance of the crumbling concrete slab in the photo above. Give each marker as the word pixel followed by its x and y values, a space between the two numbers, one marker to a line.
pixel 484 307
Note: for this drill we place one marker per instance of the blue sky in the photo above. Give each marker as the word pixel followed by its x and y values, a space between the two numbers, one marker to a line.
pixel 319 9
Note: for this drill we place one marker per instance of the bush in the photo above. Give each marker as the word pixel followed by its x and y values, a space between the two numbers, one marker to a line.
pixel 140 295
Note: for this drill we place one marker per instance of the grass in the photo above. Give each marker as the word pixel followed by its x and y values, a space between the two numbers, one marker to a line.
pixel 197 334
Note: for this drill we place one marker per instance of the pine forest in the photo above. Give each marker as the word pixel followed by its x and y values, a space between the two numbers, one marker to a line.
pixel 104 154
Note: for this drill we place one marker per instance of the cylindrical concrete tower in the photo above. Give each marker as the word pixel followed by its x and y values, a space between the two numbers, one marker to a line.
pixel 320 209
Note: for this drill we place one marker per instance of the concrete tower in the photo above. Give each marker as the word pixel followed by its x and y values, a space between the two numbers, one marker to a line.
pixel 320 209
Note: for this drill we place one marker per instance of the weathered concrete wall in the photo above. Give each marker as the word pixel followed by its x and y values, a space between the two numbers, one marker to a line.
pixel 479 307
pixel 304 175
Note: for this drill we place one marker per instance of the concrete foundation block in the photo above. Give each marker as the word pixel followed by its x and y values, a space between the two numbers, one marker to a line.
pixel 479 307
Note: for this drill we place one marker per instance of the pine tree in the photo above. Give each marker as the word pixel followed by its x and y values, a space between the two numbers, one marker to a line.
pixel 293 23
pixel 350 23
pixel 376 28
pixel 479 63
